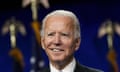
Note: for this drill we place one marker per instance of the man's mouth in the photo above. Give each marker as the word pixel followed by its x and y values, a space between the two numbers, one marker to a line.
pixel 57 50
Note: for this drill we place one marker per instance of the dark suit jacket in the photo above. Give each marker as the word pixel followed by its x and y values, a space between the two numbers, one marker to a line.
pixel 78 68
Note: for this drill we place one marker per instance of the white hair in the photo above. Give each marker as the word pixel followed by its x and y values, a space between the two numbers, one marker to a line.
pixel 63 13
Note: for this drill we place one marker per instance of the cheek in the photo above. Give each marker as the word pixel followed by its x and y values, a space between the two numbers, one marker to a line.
pixel 71 49
pixel 47 42
pixel 69 46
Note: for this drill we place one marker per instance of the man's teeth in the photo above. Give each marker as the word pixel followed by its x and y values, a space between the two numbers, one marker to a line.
pixel 56 50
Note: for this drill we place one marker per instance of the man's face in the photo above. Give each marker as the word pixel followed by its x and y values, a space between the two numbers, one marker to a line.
pixel 58 40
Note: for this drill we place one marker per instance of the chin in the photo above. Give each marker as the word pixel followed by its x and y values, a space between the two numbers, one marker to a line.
pixel 57 60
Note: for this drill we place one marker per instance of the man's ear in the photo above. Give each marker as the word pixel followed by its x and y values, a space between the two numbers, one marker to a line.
pixel 77 43
pixel 42 43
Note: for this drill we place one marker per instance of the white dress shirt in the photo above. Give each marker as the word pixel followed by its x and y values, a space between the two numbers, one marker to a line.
pixel 69 68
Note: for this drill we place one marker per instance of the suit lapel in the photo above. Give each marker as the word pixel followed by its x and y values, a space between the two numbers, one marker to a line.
pixel 79 68
pixel 46 70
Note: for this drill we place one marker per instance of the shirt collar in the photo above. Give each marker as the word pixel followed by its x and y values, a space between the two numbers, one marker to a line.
pixel 69 68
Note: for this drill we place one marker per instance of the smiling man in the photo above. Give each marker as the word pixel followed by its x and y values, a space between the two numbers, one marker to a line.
pixel 60 38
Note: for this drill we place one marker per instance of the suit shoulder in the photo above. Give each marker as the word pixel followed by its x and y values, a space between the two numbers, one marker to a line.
pixel 46 69
pixel 83 68
pixel 90 69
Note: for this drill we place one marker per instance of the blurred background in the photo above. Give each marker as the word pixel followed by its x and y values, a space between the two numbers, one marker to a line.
pixel 93 50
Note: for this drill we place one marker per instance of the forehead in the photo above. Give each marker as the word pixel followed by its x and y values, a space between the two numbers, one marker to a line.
pixel 59 21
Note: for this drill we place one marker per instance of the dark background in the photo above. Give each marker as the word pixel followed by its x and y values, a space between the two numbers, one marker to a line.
pixel 91 14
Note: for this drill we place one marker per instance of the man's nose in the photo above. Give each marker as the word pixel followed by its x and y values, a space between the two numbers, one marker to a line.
pixel 57 40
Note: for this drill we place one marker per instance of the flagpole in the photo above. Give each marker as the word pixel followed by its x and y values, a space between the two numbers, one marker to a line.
pixel 107 28
pixel 111 56
pixel 36 30
pixel 15 52
pixel 37 40
pixel 12 36
pixel 35 24
pixel 34 9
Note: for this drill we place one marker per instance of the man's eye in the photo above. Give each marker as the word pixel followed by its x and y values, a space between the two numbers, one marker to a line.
pixel 63 34
pixel 50 34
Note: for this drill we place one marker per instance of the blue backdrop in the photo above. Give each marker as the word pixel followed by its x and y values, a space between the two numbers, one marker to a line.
pixel 92 50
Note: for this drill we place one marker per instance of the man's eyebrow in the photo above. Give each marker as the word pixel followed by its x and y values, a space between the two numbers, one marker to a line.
pixel 66 33
pixel 50 32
